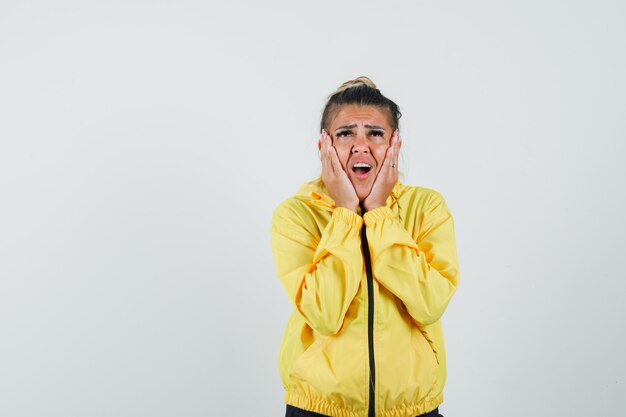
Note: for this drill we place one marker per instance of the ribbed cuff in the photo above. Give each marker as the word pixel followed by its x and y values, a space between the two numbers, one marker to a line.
pixel 378 214
pixel 348 216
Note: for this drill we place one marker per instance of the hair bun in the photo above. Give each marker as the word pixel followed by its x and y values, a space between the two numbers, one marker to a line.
pixel 355 83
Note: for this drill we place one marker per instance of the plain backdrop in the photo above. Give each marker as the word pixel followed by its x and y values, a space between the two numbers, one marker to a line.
pixel 145 144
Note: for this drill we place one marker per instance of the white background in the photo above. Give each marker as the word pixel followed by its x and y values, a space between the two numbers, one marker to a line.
pixel 144 146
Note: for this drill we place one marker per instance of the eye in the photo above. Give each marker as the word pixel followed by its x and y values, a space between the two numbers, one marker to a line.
pixel 377 133
pixel 344 133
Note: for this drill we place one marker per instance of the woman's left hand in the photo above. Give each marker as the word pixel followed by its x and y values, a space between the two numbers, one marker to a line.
pixel 387 176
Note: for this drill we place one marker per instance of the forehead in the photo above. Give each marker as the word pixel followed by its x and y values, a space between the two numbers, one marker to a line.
pixel 360 115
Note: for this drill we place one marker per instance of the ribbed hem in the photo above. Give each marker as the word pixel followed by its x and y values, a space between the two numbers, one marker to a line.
pixel 378 214
pixel 348 216
pixel 414 410
pixel 321 406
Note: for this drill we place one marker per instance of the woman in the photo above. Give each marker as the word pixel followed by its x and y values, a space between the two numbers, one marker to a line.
pixel 369 265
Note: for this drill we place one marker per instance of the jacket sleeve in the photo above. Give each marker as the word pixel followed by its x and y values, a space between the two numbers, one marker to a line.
pixel 423 272
pixel 320 274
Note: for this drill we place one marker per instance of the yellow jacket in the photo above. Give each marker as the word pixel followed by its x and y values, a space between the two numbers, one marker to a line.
pixel 410 273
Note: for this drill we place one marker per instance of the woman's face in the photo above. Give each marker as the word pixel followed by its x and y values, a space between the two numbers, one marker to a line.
pixel 361 136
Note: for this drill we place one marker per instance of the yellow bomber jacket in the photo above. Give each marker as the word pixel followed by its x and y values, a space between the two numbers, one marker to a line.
pixel 362 337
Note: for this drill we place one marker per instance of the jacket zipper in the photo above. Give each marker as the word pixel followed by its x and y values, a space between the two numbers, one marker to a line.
pixel 370 317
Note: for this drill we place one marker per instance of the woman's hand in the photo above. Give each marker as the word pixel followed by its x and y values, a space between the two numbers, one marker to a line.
pixel 335 178
pixel 387 176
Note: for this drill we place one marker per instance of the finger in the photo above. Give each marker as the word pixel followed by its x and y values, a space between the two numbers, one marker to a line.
pixel 328 157
pixel 394 138
pixel 334 157
pixel 326 162
pixel 396 150
pixel 322 146
pixel 398 139
pixel 392 149
pixel 326 145
pixel 391 164
pixel 389 161
pixel 398 143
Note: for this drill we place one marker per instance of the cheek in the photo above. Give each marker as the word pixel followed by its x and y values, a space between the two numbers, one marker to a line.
pixel 343 154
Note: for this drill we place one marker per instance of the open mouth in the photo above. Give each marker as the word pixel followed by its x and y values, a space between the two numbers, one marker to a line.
pixel 361 168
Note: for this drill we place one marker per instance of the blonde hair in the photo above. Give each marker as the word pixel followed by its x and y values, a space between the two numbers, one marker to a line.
pixel 362 80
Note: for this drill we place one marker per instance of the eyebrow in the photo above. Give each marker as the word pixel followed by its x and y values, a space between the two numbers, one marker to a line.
pixel 354 125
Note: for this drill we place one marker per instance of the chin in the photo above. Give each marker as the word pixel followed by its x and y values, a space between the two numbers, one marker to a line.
pixel 362 194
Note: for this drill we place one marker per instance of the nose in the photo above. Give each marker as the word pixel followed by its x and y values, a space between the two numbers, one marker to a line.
pixel 360 144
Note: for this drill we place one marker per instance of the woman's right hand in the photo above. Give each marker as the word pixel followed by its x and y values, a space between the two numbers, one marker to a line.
pixel 335 178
